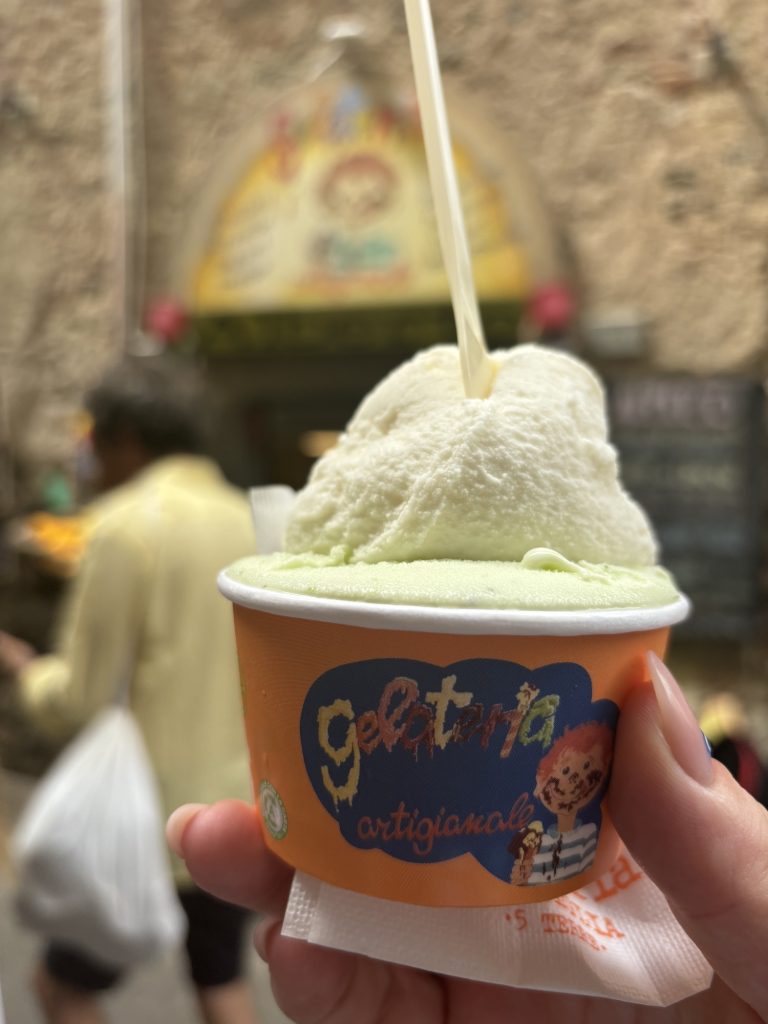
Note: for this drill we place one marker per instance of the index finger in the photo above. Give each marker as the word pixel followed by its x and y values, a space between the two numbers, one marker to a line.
pixel 223 847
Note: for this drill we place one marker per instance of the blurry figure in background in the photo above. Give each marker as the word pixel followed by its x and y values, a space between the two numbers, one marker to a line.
pixel 50 538
pixel 145 597
pixel 724 722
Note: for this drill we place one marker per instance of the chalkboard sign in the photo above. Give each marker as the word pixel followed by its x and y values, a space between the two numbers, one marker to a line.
pixel 693 454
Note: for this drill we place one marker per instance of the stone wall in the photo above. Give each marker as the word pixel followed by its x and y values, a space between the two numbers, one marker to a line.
pixel 652 157
pixel 55 281
pixel 654 161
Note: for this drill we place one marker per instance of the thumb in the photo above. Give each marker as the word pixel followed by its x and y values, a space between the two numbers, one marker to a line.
pixel 700 837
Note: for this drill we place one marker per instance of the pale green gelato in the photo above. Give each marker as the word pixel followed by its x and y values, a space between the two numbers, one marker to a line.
pixel 543 580
pixel 421 472
pixel 510 502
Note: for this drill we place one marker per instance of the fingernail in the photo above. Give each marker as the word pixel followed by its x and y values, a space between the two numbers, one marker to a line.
pixel 262 935
pixel 679 725
pixel 177 824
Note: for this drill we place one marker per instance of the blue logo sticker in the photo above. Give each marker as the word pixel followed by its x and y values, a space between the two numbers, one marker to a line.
pixel 484 756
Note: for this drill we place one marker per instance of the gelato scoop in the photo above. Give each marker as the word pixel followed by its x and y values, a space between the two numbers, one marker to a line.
pixel 424 473
pixel 509 502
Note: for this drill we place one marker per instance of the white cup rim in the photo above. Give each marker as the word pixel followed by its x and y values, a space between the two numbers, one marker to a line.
pixel 460 621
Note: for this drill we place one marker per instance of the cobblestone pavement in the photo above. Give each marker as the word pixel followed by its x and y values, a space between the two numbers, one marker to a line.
pixel 154 995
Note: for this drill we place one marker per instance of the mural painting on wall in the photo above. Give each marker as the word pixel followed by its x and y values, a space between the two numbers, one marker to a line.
pixel 332 208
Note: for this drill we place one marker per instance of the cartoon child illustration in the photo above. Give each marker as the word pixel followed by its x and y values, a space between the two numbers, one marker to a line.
pixel 569 777
pixel 359 188
pixel 525 846
pixel 360 239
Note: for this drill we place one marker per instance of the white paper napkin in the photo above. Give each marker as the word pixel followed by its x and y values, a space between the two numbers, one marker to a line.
pixel 615 938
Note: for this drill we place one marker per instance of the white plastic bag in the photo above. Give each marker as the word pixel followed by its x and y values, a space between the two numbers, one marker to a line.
pixel 89 849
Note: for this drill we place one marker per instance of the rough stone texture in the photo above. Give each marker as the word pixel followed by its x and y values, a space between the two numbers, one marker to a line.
pixel 54 270
pixel 654 167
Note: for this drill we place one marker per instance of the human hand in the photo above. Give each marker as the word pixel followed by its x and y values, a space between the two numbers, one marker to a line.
pixel 15 654
pixel 700 837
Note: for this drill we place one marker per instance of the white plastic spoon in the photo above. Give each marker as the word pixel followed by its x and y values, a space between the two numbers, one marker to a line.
pixel 476 365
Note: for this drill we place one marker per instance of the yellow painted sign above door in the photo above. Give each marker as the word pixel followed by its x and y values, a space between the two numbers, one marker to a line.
pixel 332 208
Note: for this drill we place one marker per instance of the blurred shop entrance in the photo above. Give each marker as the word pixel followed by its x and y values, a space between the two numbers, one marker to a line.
pixel 282 385
pixel 274 417
pixel 312 264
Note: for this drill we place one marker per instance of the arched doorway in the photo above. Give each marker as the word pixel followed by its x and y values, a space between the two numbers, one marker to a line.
pixel 311 264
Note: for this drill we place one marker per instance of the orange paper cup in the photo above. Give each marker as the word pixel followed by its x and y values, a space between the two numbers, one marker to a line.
pixel 438 756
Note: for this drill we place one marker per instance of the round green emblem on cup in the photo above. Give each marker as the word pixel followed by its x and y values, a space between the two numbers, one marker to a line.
pixel 273 811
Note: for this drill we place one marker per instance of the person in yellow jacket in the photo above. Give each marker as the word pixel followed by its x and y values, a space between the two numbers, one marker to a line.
pixel 144 607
